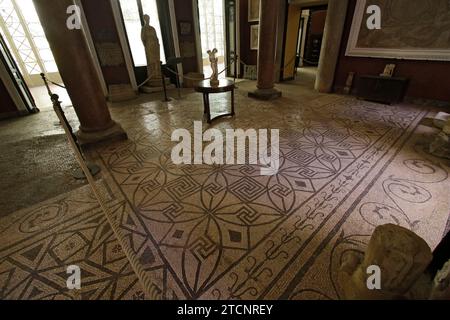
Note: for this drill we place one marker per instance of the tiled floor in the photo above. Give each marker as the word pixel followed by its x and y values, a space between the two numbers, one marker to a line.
pixel 225 232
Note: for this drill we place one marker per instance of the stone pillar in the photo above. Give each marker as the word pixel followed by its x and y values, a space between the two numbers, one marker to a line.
pixel 267 49
pixel 77 70
pixel 331 45
pixel 282 17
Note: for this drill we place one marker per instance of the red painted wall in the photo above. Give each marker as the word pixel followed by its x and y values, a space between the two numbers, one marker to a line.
pixel 248 56
pixel 103 29
pixel 185 13
pixel 429 79
pixel 318 19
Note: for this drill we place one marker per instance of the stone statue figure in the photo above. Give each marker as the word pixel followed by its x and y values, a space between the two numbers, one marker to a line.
pixel 214 66
pixel 402 257
pixel 152 51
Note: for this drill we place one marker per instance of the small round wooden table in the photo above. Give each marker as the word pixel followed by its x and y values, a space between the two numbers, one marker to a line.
pixel 206 89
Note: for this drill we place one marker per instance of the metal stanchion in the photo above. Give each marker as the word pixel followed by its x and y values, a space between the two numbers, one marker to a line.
pixel 78 174
pixel 166 98
pixel 236 61
pixel 151 290
pixel 173 63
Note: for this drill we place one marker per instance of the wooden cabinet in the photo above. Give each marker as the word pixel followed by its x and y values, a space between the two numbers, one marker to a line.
pixel 382 89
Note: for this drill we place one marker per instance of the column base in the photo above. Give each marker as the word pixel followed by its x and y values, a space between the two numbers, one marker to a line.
pixel 147 89
pixel 121 92
pixel 265 94
pixel 114 133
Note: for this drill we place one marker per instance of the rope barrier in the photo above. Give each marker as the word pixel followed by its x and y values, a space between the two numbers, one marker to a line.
pixel 58 85
pixel 46 80
pixel 186 77
pixel 285 66
pixel 151 289
pixel 292 60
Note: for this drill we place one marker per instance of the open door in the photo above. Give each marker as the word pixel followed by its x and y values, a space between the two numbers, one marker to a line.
pixel 15 82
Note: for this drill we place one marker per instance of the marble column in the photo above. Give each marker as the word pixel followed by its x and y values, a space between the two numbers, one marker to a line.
pixel 267 50
pixel 331 45
pixel 77 70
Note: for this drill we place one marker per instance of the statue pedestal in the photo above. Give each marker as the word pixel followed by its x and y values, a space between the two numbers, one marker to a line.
pixel 155 85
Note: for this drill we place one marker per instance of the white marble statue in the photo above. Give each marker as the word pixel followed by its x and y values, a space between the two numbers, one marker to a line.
pixel 152 51
pixel 214 66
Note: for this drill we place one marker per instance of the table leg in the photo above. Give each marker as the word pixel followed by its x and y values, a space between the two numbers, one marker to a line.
pixel 208 108
pixel 204 104
pixel 232 102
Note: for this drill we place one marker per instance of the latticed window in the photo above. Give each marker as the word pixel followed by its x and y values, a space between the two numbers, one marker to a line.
pixel 212 26
pixel 21 28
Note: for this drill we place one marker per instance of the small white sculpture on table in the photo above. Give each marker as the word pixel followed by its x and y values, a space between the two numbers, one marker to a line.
pixel 214 66
pixel 153 55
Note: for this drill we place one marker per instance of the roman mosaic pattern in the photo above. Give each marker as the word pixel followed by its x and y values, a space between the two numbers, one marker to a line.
pixel 38 244
pixel 225 232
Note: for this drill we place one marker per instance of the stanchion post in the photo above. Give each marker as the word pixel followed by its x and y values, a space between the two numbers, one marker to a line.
pixel 178 85
pixel 46 85
pixel 150 288
pixel 79 174
pixel 235 66
pixel 166 98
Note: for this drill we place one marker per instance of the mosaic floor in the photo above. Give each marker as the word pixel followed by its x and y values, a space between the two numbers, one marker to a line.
pixel 38 244
pixel 225 232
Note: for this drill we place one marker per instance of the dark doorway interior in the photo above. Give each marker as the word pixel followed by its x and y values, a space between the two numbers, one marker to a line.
pixel 314 35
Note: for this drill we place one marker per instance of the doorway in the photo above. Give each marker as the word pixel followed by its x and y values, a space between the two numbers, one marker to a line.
pixel 304 33
pixel 212 33
pixel 24 42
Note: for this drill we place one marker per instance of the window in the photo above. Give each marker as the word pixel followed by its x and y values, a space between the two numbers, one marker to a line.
pixel 22 30
pixel 133 11
pixel 212 26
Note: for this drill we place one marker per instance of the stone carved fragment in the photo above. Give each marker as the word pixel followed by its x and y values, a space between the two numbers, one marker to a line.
pixel 402 257
pixel 441 284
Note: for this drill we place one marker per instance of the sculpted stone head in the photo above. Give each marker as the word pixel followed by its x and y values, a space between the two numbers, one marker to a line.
pixel 147 19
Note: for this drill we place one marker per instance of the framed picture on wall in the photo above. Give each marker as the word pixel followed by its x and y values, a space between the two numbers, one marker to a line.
pixel 403 35
pixel 253 10
pixel 185 28
pixel 254 37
